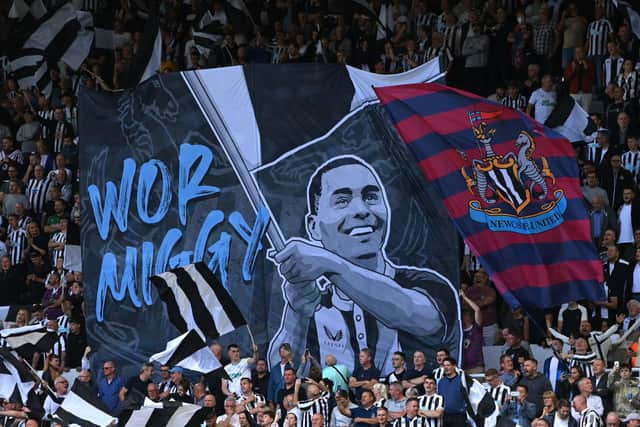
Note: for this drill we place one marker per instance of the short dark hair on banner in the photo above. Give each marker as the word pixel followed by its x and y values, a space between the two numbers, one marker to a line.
pixel 315 187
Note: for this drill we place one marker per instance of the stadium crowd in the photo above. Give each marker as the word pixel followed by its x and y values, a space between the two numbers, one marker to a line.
pixel 514 52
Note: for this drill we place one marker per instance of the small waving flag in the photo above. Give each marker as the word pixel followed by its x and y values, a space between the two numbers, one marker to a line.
pixel 510 185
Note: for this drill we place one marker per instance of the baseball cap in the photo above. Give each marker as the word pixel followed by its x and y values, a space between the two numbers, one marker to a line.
pixel 632 416
pixel 176 369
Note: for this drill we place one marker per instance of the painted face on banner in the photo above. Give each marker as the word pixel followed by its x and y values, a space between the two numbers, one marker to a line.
pixel 352 213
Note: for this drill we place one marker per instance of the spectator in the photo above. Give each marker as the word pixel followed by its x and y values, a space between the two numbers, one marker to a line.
pixel 628 218
pixel 580 75
pixel 53 402
pixel 550 403
pixel 230 417
pixel 260 377
pixel 592 190
pixel 562 416
pixel 499 391
pixel 249 401
pixel 568 386
pixel 535 382
pixel 543 100
pixel 365 375
pixel 594 402
pixel 136 386
pixel 599 153
pixel 417 375
pixel 473 361
pixel 317 403
pixel 601 218
pixel 412 416
pixel 515 349
pixel 599 31
pixel 399 372
pixel 623 130
pixel 569 318
pixel 237 369
pixel 600 385
pixel 362 415
pixel 451 389
pixel 573 27
pixel 587 415
pixel 165 384
pixel 509 374
pixel 625 390
pixel 397 401
pixel 628 81
pixel 484 296
pixel 632 420
pixel 475 49
pixel 518 409
pixel 337 418
pixel 276 376
pixel 612 65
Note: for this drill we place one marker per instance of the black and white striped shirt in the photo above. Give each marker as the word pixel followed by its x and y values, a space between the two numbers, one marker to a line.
pixel 630 85
pixel 309 408
pixel 426 19
pixel 415 422
pixel 15 155
pixel 452 38
pixel 631 162
pixel 59 346
pixel 590 418
pixel 438 373
pixel 18 243
pixel 584 361
pixel 24 221
pixel 611 69
pixel 36 191
pixel 164 386
pixel 598 35
pixel 63 325
pixel 518 103
pixel 431 403
pixel 257 402
pixel 71 116
pixel 58 237
pixel 58 137
pixel 443 52
pixel 595 153
pixel 45 115
pixel 500 394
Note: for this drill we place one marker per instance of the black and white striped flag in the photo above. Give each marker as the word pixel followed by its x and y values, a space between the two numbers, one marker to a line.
pixel 15 377
pixel 84 408
pixel 632 12
pixel 28 338
pixel 8 313
pixel 569 119
pixel 66 36
pixel 190 352
pixel 185 415
pixel 20 9
pixel 196 300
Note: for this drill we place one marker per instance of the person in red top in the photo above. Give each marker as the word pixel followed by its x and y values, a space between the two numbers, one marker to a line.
pixel 580 76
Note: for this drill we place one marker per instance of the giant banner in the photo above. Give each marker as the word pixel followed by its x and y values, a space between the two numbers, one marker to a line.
pixel 289 183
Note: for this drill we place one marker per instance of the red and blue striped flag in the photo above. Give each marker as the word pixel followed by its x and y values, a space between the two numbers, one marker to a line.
pixel 511 186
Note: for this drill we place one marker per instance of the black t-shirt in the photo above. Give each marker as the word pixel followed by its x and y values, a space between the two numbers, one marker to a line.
pixel 135 383
pixel 413 373
pixel 395 377
pixel 260 385
pixel 76 344
pixel 361 374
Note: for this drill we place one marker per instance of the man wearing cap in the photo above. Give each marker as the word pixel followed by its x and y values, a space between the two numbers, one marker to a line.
pixel 177 378
pixel 632 420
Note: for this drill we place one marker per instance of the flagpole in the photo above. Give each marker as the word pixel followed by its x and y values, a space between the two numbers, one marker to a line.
pixel 211 113
pixel 37 377
pixel 253 342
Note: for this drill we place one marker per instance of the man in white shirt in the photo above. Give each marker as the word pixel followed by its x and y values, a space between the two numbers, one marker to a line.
pixel 230 417
pixel 237 369
pixel 543 100
pixel 594 402
pixel 61 386
pixel 626 222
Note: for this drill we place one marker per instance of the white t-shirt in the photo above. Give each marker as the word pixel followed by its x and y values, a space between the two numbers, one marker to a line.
pixel 236 373
pixel 626 227
pixel 235 419
pixel 544 103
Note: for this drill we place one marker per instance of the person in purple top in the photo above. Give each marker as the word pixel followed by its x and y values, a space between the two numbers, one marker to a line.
pixel 472 358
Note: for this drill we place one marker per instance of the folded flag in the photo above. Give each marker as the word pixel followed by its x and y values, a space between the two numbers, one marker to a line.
pixel 83 407
pixel 15 377
pixel 29 337
pixel 511 186
pixel 196 299
pixel 189 351
pixel 185 415
pixel 569 119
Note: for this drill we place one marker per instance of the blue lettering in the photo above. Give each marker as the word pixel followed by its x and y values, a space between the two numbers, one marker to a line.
pixel 220 258
pixel 108 281
pixel 114 205
pixel 147 261
pixel 211 221
pixel 148 174
pixel 167 245
pixel 253 238
pixel 190 188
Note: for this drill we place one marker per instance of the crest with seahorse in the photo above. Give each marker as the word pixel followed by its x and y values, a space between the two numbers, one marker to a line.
pixel 517 179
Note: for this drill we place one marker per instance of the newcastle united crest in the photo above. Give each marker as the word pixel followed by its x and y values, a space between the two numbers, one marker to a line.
pixel 514 190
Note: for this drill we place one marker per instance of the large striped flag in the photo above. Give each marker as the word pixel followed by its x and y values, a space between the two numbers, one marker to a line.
pixel 15 378
pixel 510 185
pixel 29 338
pixel 190 352
pixel 185 415
pixel 196 300
pixel 83 407
pixel 66 35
